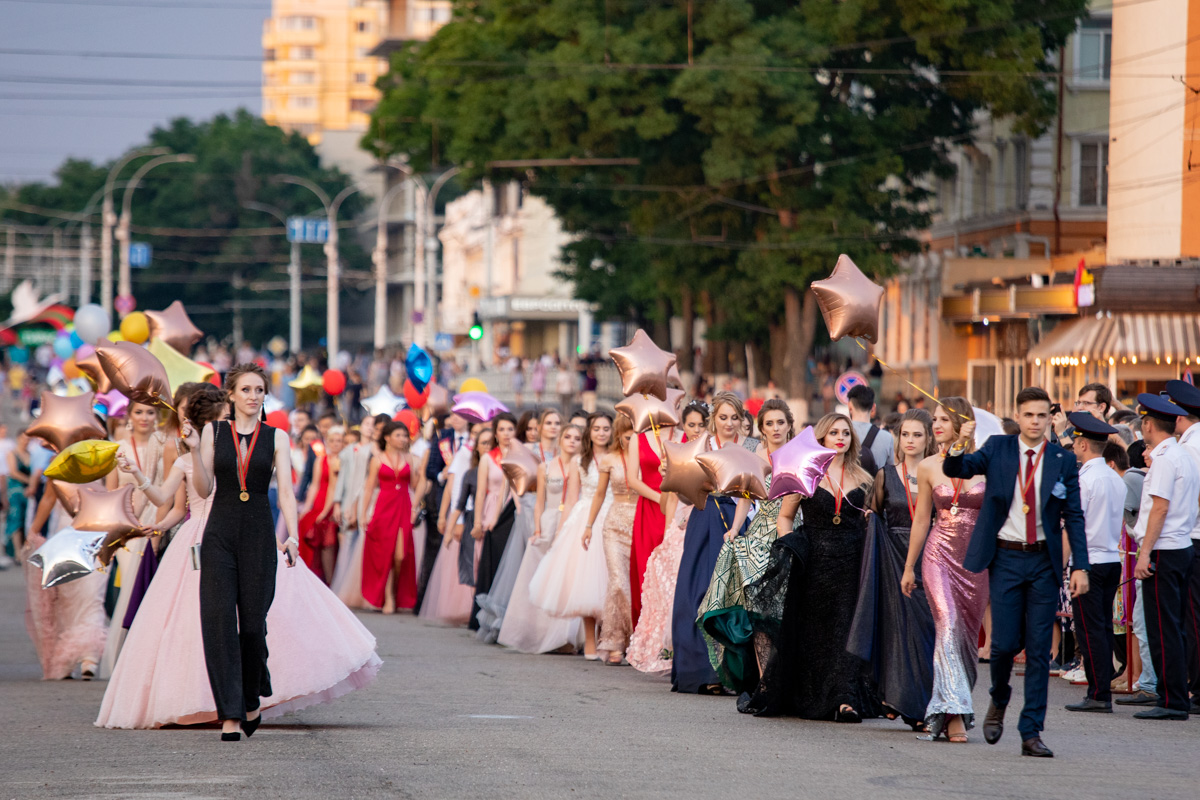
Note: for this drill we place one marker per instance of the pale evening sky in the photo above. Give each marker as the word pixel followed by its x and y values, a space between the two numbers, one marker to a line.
pixel 62 94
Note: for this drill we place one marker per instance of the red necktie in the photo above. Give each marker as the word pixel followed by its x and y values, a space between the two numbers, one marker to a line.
pixel 1030 500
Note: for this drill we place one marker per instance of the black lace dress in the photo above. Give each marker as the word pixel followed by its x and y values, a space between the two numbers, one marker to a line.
pixel 804 605
pixel 893 633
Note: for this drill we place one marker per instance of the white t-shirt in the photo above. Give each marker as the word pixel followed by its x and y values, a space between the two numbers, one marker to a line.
pixel 1174 477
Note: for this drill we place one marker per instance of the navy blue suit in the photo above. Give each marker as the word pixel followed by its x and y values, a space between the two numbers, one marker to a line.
pixel 1024 585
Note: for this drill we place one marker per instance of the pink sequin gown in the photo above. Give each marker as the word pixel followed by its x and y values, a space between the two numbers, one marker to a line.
pixel 318 649
pixel 650 646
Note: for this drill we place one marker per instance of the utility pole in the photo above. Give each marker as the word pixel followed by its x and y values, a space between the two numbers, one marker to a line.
pixel 431 250
pixel 108 219
pixel 60 263
pixel 294 299
pixel 125 280
pixel 85 264
pixel 379 258
pixel 10 258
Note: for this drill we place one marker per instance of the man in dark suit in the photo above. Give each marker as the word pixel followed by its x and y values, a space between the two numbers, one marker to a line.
pixel 1032 494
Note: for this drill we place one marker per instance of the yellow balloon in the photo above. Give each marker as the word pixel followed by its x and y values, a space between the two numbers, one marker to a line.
pixel 136 328
pixel 180 369
pixel 116 336
pixel 472 385
pixel 84 462
pixel 16 377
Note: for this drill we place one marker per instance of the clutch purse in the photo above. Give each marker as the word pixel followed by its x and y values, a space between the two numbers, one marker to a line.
pixel 195 552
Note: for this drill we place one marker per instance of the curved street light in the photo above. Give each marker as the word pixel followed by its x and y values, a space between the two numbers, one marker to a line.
pixel 108 219
pixel 124 281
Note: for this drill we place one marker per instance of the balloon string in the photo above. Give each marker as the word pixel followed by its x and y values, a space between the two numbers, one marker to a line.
pixel 896 372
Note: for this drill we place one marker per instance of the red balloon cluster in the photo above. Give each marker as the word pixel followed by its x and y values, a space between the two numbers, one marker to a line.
pixel 414 398
pixel 333 382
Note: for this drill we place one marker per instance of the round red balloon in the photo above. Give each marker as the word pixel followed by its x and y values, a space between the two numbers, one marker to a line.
pixel 414 398
pixel 279 419
pixel 410 421
pixel 333 382
pixel 215 380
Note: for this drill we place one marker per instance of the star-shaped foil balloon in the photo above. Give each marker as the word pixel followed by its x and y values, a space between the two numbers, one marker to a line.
pixel 66 556
pixel 84 462
pixel 849 301
pixel 271 404
pixel 135 373
pixel 419 367
pixel 307 385
pixel 520 466
pixel 114 403
pixel 89 365
pixel 643 366
pixel 174 326
pixel 647 412
pixel 477 406
pixel 109 513
pixel 734 470
pixel 68 496
pixel 67 420
pixel 180 369
pixel 799 466
pixel 674 381
pixel 684 475
pixel 439 400
pixel 384 401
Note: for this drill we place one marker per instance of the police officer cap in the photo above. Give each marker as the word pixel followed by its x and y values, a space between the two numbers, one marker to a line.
pixel 1159 407
pixel 1184 395
pixel 1087 425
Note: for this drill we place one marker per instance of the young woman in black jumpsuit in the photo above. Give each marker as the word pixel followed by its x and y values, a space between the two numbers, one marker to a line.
pixel 239 552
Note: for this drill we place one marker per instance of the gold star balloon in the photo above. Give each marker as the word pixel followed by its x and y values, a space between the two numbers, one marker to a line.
pixel 850 302
pixel 84 462
pixel 736 471
pixel 67 420
pixel 180 369
pixel 520 466
pixel 648 413
pixel 643 366
pixel 135 373
pixel 174 326
pixel 684 475
pixel 307 385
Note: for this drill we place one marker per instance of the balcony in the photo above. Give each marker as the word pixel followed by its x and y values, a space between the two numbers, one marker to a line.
pixel 289 31
pixel 1013 302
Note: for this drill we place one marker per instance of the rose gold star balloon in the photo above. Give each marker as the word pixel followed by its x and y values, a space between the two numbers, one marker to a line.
pixel 67 420
pixel 90 367
pixel 643 366
pixel 520 466
pixel 684 475
pixel 136 373
pixel 674 381
pixel 110 513
pixel 849 301
pixel 736 471
pixel 174 326
pixel 648 413
pixel 68 496
pixel 439 400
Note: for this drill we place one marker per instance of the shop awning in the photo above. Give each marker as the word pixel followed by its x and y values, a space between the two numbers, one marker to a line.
pixel 1133 337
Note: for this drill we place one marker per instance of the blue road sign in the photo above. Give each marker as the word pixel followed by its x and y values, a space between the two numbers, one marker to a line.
pixel 443 342
pixel 307 230
pixel 140 254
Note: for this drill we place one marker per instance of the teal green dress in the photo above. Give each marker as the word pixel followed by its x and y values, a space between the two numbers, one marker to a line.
pixel 722 614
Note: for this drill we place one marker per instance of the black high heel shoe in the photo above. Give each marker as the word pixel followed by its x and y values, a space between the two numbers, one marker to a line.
pixel 236 736
pixel 251 725
pixel 847 714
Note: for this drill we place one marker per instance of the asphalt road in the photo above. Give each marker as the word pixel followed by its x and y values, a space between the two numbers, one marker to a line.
pixel 452 718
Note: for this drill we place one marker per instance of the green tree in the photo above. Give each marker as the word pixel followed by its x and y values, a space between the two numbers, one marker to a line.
pixel 771 135
pixel 209 247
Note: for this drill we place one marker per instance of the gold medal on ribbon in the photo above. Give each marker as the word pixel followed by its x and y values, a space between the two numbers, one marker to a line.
pixel 243 463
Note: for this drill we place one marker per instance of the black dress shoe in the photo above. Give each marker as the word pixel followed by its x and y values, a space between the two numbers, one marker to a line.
pixel 251 725
pixel 1161 713
pixel 1088 704
pixel 1195 709
pixel 993 723
pixel 1036 748
pixel 236 736
pixel 1142 698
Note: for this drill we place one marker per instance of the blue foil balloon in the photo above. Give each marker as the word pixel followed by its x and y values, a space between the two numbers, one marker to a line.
pixel 419 367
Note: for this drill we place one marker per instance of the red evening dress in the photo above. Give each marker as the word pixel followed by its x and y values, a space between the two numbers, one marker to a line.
pixel 393 515
pixel 316 535
pixel 648 525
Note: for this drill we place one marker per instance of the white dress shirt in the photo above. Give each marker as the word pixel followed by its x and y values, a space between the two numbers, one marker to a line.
pixel 1013 529
pixel 1174 477
pixel 1191 443
pixel 1102 495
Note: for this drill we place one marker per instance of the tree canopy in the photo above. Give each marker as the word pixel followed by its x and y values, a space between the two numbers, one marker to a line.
pixel 210 247
pixel 771 135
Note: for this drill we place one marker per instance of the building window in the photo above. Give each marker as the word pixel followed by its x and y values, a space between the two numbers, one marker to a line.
pixel 362 27
pixel 1093 51
pixel 361 77
pixel 303 78
pixel 303 54
pixel 298 23
pixel 302 101
pixel 362 53
pixel 269 54
pixel 1093 174
pixel 359 104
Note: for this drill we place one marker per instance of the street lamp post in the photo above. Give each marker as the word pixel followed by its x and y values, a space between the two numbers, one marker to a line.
pixel 333 272
pixel 109 218
pixel 124 280
pixel 293 275
pixel 379 259
pixel 431 248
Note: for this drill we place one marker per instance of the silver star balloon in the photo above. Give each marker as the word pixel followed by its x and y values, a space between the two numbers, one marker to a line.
pixel 384 401
pixel 67 556
pixel 271 403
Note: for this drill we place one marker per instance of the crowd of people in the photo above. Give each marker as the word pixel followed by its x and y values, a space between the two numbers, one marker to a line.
pixel 918 555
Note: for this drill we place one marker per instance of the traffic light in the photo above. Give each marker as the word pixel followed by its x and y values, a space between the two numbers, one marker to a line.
pixel 476 331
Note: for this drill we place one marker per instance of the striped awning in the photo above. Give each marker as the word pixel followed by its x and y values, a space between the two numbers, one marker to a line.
pixel 1133 337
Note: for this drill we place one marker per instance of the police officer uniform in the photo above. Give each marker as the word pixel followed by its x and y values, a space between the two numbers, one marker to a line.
pixel 1102 496
pixel 1173 477
pixel 1187 397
